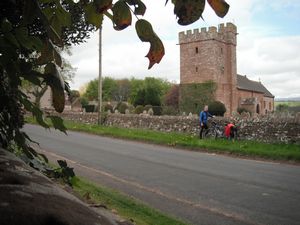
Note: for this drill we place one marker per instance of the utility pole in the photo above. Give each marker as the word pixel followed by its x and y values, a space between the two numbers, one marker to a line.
pixel 100 78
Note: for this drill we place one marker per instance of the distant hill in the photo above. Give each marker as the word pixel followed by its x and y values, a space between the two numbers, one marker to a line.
pixel 294 99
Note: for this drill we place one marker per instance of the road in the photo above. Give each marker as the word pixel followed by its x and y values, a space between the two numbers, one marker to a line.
pixel 199 188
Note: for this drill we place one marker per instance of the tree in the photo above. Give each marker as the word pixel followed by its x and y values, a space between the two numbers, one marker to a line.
pixel 109 88
pixel 123 90
pixel 91 92
pixel 171 98
pixel 217 108
pixel 41 27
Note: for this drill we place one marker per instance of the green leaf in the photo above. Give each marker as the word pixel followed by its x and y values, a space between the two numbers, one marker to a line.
pixel 10 38
pixel 146 34
pixel 139 6
pixel 29 12
pixel 36 112
pixel 121 15
pixel 6 26
pixel 29 42
pixel 46 55
pixel 92 16
pixel 102 5
pixel 58 123
pixel 219 6
pixel 188 11
pixel 55 81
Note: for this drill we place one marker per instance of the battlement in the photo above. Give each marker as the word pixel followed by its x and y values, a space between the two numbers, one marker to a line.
pixel 226 33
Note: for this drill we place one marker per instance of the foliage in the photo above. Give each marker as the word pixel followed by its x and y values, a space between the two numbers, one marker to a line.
pixel 90 108
pixel 170 110
pixel 121 107
pixel 217 108
pixel 109 87
pixel 241 110
pixel 149 91
pixel 193 97
pixel 84 101
pixel 189 11
pixel 139 109
pixel 108 107
pixel 171 98
pixel 91 92
pixel 147 107
pixel 157 110
pixel 282 108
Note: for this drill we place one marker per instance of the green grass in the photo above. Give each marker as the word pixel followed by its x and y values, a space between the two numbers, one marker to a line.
pixel 238 148
pixel 125 206
pixel 290 104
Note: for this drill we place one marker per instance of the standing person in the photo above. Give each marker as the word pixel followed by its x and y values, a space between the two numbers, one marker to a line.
pixel 203 120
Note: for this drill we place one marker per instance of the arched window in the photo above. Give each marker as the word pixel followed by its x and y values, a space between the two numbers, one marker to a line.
pixel 257 108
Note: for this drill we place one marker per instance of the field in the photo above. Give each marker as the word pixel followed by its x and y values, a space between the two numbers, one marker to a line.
pixel 288 103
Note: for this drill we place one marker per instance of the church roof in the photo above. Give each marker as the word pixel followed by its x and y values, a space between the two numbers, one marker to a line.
pixel 249 85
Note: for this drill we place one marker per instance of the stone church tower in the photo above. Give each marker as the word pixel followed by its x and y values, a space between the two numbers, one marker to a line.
pixel 210 55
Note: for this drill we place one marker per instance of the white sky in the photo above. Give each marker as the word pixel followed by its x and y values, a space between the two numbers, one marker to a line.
pixel 268 45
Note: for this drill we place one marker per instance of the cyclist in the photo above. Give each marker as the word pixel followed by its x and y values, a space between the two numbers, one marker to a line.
pixel 203 120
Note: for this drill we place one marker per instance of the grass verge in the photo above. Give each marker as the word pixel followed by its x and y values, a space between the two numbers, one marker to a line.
pixel 126 207
pixel 285 152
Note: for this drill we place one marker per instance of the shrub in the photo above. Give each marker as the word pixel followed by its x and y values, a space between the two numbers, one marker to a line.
pixel 84 101
pixel 240 110
pixel 147 107
pixel 90 108
pixel 170 110
pixel 139 109
pixel 108 107
pixel 282 108
pixel 157 110
pixel 217 108
pixel 121 107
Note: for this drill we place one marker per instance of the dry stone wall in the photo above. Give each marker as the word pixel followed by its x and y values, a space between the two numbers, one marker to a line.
pixel 271 128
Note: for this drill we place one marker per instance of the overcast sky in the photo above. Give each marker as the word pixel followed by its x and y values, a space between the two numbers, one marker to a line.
pixel 268 45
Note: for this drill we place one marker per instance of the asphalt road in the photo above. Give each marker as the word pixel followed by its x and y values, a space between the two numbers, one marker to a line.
pixel 197 187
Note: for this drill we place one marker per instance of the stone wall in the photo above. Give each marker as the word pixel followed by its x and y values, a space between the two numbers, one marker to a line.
pixel 271 128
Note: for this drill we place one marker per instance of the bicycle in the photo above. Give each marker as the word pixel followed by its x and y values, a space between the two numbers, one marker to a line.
pixel 217 131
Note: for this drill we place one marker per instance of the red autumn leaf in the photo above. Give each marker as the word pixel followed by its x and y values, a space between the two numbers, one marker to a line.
pixel 219 6
pixel 102 5
pixel 188 11
pixel 146 34
pixel 121 15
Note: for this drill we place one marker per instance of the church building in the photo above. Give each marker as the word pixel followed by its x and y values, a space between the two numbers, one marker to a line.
pixel 209 55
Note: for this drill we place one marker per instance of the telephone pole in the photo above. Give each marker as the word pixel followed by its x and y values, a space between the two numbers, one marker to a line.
pixel 100 78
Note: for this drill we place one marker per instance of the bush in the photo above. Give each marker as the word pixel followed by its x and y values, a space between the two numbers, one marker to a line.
pixel 139 109
pixel 147 107
pixel 217 108
pixel 84 101
pixel 121 107
pixel 170 110
pixel 157 110
pixel 282 108
pixel 241 110
pixel 90 108
pixel 108 107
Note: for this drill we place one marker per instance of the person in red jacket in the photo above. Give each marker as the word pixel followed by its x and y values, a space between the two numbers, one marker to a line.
pixel 230 131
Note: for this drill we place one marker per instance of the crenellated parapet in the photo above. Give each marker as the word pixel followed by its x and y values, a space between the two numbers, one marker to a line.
pixel 224 33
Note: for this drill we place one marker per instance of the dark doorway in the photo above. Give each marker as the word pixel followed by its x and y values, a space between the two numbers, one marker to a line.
pixel 257 109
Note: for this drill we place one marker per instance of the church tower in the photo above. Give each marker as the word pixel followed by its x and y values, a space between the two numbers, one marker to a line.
pixel 210 55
